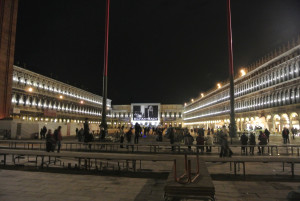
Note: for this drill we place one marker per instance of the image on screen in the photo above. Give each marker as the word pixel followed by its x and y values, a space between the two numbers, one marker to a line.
pixel 145 112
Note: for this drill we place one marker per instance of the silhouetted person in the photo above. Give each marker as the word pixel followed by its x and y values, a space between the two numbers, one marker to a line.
pixel 121 131
pixel 263 140
pixel 58 138
pixel 267 133
pixel 252 142
pixel 137 131
pixel 244 141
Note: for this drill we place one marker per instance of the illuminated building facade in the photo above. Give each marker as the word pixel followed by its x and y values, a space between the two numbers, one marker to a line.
pixel 40 100
pixel 266 96
pixel 167 115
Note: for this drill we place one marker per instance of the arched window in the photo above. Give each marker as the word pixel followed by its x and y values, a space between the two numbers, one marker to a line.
pixel 287 97
pixel 281 97
pixel 291 71
pixel 297 66
pixel 277 103
pixel 297 95
pixel 285 74
pixel 281 75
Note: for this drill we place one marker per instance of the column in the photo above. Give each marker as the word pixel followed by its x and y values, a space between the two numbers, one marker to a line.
pixel 8 21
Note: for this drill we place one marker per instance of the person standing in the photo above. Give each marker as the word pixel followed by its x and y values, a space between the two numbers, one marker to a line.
pixel 128 136
pixel 209 142
pixel 244 140
pixel 50 142
pixel 294 131
pixel 76 131
pixel 267 133
pixel 188 140
pixel 41 133
pixel 171 136
pixel 288 135
pixel 121 136
pixel 200 141
pixel 252 143
pixel 86 129
pixel 285 135
pixel 58 138
pixel 44 131
pixel 137 132
pixel 80 134
pixel 262 141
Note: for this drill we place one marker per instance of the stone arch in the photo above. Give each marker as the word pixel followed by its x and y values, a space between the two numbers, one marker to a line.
pixel 284 120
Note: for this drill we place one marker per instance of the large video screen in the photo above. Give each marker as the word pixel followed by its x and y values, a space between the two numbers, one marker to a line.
pixel 145 112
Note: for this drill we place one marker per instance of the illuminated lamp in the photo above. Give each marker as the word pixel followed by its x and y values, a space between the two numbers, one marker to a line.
pixel 243 72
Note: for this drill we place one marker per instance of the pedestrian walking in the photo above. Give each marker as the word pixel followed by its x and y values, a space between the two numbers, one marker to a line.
pixel 225 150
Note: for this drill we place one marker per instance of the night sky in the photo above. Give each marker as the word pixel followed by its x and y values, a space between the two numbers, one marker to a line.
pixel 164 51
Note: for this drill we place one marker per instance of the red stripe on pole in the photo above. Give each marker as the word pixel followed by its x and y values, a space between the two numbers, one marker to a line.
pixel 106 38
pixel 229 38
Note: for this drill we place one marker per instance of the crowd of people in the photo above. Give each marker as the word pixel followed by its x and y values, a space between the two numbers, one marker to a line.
pixel 204 139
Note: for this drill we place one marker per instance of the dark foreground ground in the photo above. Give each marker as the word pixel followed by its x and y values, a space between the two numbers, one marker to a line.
pixel 264 182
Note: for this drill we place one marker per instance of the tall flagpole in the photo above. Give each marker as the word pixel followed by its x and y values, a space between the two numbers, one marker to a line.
pixel 104 93
pixel 232 125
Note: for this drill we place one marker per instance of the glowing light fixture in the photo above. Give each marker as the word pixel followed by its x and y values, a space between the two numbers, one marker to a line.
pixel 202 95
pixel 219 85
pixel 243 72
pixel 61 97
pixel 30 89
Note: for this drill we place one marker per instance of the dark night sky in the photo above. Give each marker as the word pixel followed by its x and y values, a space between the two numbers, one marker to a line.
pixel 165 51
